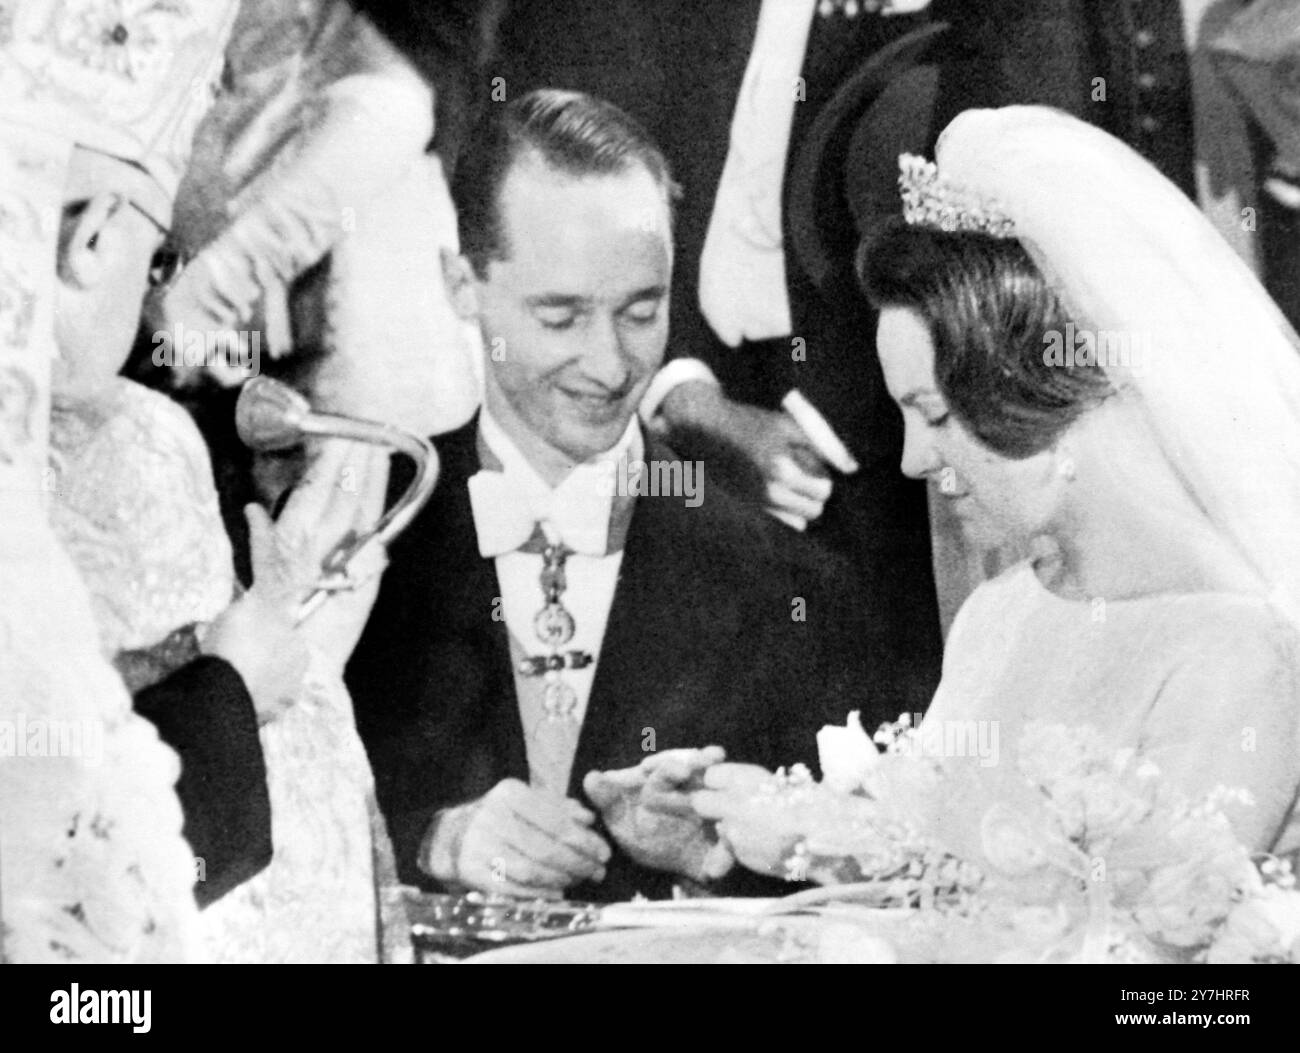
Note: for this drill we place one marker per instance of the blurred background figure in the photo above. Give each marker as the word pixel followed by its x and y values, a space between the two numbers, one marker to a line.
pixel 1259 53
pixel 96 110
pixel 273 776
pixel 313 218
pixel 314 157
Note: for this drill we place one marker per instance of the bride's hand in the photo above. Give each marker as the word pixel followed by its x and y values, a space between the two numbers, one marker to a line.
pixel 759 823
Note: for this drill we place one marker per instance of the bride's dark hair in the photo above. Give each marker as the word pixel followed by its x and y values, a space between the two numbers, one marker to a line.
pixel 991 316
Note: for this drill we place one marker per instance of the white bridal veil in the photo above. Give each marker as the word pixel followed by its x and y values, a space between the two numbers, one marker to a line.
pixel 1180 319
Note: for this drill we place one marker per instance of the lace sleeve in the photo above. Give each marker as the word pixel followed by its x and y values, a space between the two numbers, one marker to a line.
pixel 136 508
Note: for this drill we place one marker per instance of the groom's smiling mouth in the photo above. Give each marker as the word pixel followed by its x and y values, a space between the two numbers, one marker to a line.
pixel 595 402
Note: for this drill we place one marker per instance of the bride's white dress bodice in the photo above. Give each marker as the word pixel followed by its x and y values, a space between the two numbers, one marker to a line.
pixel 1207 685
pixel 138 512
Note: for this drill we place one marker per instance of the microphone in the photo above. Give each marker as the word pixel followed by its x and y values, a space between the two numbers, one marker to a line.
pixel 270 415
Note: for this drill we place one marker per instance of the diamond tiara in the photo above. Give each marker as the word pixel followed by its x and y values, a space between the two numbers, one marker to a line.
pixel 931 201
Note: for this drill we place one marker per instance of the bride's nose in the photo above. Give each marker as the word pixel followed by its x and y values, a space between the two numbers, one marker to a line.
pixel 920 457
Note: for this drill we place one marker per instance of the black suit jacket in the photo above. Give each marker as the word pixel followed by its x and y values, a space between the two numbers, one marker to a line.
pixel 204 712
pixel 723 630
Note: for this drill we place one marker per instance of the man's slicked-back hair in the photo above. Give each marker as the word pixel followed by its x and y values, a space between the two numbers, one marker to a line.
pixel 571 132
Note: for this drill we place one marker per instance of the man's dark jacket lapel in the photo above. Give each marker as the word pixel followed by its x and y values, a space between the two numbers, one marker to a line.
pixel 689 658
pixel 668 613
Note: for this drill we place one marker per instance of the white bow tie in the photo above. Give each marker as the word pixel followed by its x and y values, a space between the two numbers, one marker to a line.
pixel 507 510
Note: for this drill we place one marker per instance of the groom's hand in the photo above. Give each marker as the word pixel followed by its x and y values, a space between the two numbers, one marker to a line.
pixel 516 841
pixel 647 810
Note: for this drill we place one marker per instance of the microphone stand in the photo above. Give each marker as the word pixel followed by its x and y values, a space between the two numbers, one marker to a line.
pixel 270 415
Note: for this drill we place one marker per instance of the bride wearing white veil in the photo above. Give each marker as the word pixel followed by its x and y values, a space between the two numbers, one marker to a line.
pixel 1125 252
pixel 1083 364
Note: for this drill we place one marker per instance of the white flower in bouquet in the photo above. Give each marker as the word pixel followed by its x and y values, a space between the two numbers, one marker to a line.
pixel 1078 852
pixel 1041 924
pixel 1257 931
pixel 1265 925
pixel 1182 901
pixel 1011 844
pixel 1282 908
pixel 845 754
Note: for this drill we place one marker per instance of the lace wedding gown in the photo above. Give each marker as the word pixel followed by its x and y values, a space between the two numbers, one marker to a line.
pixel 137 510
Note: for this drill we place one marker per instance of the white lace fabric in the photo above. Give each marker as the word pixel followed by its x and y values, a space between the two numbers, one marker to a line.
pixel 316 902
pixel 136 508
pixel 93 868
pixel 138 512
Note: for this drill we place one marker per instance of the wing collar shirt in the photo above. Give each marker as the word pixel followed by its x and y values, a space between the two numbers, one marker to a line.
pixel 512 506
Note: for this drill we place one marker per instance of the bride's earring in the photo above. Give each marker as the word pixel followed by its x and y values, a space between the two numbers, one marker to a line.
pixel 1065 466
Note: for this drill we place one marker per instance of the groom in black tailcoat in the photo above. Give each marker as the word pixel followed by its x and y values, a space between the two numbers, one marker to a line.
pixel 557 632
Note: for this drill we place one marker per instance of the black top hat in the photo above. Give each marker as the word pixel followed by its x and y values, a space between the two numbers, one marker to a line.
pixel 843 182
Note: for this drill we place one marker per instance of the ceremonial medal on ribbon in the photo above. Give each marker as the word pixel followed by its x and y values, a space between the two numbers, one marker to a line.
pixel 554 627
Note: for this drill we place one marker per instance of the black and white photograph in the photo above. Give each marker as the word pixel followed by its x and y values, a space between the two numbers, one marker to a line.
pixel 650 482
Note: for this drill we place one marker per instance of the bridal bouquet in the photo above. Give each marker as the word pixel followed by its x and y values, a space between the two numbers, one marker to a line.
pixel 1073 853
